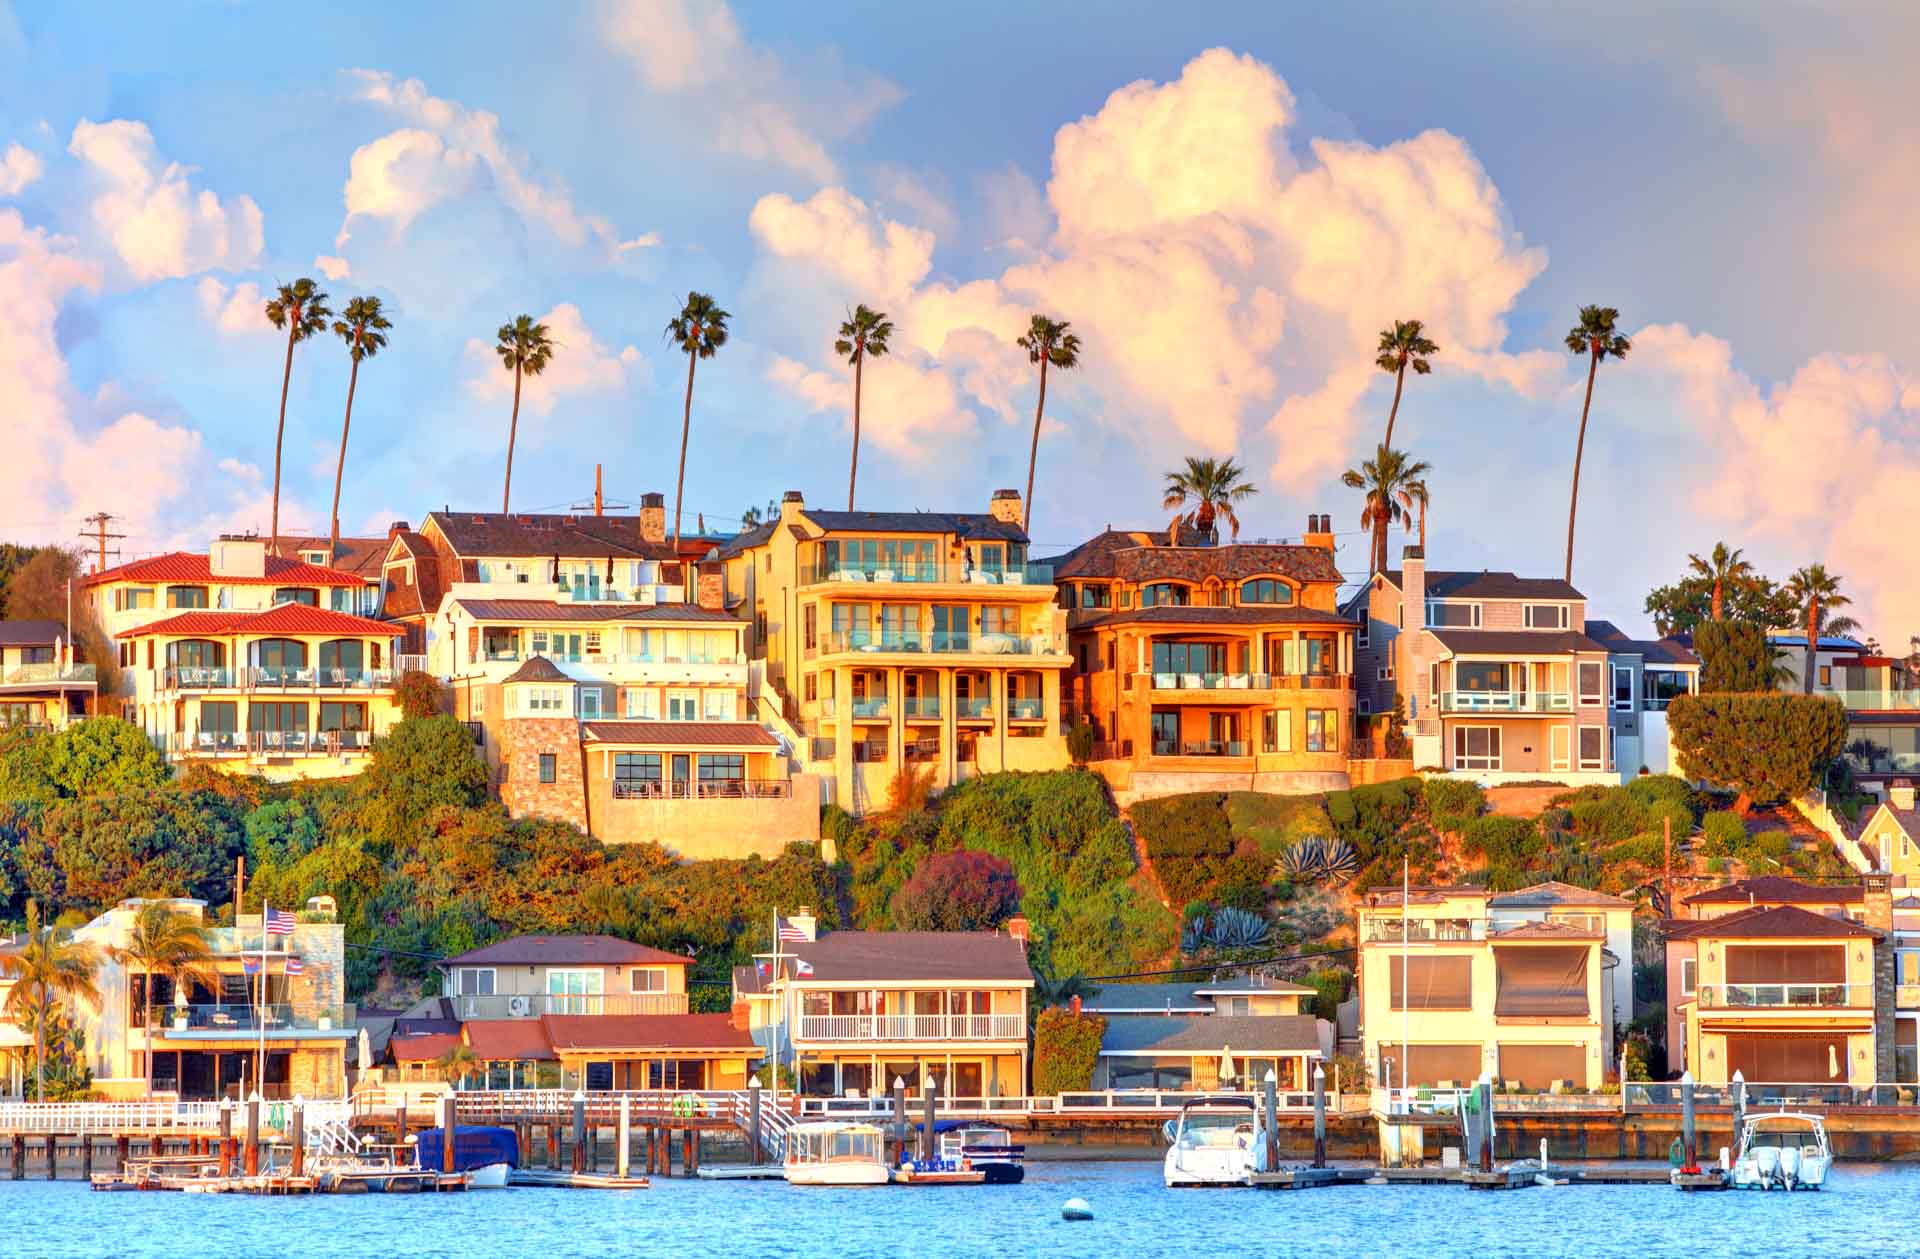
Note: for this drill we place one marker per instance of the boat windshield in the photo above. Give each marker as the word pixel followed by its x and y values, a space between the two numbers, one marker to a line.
pixel 1216 1128
pixel 1787 1138
pixel 856 1145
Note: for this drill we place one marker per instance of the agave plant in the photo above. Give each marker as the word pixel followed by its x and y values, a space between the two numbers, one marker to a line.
pixel 1225 928
pixel 1314 860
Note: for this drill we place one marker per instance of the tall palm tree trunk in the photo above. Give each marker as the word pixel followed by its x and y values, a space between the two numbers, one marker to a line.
pixel 1717 589
pixel 513 432
pixel 853 473
pixel 149 1033
pixel 1399 382
pixel 1033 452
pixel 1813 645
pixel 1579 450
pixel 340 467
pixel 1379 542
pixel 40 1050
pixel 680 481
pixel 280 436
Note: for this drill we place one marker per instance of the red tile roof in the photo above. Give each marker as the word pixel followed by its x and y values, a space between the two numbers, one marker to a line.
pixel 429 1048
pixel 733 734
pixel 568 950
pixel 495 1040
pixel 678 1032
pixel 188 566
pixel 286 618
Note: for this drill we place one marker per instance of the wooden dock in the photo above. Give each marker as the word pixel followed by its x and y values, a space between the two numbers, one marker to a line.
pixel 542 1178
pixel 1526 1176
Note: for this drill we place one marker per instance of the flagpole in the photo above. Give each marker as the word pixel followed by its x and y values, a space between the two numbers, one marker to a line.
pixel 260 1008
pixel 1406 991
pixel 773 983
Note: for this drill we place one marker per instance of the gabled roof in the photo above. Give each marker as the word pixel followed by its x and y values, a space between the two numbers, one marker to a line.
pixel 353 555
pixel 1552 892
pixel 552 610
pixel 187 566
pixel 740 734
pixel 284 618
pixel 1669 650
pixel 569 950
pixel 1522 642
pixel 684 1033
pixel 537 669
pixel 1773 889
pixel 909 956
pixel 1545 931
pixel 1162 999
pixel 1486 584
pixel 499 1040
pixel 747 539
pixel 478 535
pixel 975 526
pixel 1770 922
pixel 1213 1035
pixel 1143 555
pixel 31 633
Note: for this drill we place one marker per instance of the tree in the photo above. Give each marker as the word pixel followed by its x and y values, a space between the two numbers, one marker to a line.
pixel 1817 592
pixel 39 589
pixel 1402 346
pixel 1202 491
pixel 1769 747
pixel 420 694
pixel 47 970
pixel 1684 606
pixel 165 942
pixel 1066 1048
pixel 102 755
pixel 1051 991
pixel 300 309
pixel 957 891
pixel 1735 656
pixel 1594 337
pixel 700 329
pixel 863 335
pixel 456 1063
pixel 1394 483
pixel 1048 343
pixel 364 329
pixel 1721 568
pixel 525 348
pixel 422 764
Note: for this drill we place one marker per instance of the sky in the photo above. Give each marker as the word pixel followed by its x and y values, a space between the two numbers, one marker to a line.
pixel 1226 204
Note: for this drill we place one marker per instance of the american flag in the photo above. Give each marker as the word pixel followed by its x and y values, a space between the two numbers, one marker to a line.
pixel 279 922
pixel 790 934
pixel 295 965
pixel 802 967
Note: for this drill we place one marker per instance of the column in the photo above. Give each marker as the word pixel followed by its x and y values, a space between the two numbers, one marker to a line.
pixel 997 681
pixel 1050 699
pixel 949 729
pixel 896 718
pixel 843 767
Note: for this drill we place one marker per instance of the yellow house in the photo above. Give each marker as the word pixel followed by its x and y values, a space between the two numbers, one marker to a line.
pixel 533 975
pixel 1461 982
pixel 852 1011
pixel 1892 832
pixel 903 639
pixel 42 684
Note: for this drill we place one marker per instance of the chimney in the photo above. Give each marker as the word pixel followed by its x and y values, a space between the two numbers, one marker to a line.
pixel 1319 532
pixel 710 587
pixel 1877 902
pixel 1900 794
pixel 1413 583
pixel 653 518
pixel 1017 928
pixel 395 529
pixel 806 922
pixel 791 505
pixel 1006 507
pixel 740 1017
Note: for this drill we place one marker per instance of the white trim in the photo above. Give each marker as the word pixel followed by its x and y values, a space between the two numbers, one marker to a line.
pixel 462 974
pixel 1494 762
pixel 1632 695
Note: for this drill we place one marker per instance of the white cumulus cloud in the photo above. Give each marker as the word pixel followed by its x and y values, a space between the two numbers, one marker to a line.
pixel 236 310
pixel 148 211
pixel 18 167
pixel 581 364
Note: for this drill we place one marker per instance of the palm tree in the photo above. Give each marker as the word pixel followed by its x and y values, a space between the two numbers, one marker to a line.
pixel 700 329
pixel 525 348
pixel 301 309
pixel 1723 567
pixel 1394 484
pixel 1818 593
pixel 1210 487
pixel 456 1063
pixel 1401 347
pixel 1049 991
pixel 364 329
pixel 1594 337
pixel 46 970
pixel 164 941
pixel 1047 343
pixel 863 336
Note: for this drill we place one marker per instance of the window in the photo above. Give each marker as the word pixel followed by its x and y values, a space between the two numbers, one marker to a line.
pixel 1445 614
pixel 576 992
pixel 1592 749
pixel 280 654
pixel 1190 658
pixel 539 647
pixel 337 716
pixel 717 705
pixel 1361 636
pixel 1276 731
pixel 593 643
pixel 196 653
pixel 1323 730
pixel 810 687
pixel 1623 687
pixel 641 979
pixel 297 594
pixel 1166 733
pixel 683 706
pixel 132 598
pixel 810 626
pixel 1592 684
pixel 589 703
pixel 543 699
pixel 1265 590
pixel 219 718
pixel 474 981
pixel 1480 675
pixel 186 596
pixel 1385 672
pixel 344 655
pixel 549 767
pixel 900 624
pixel 1476 747
pixel 1000 620
pixel 1659 686
pixel 1544 616
pixel 1689 971
pixel 1092 596
pixel 1164 594
pixel 643 704
pixel 1826 675
pixel 635 769
pixel 1365 704
pixel 852 626
pixel 721 769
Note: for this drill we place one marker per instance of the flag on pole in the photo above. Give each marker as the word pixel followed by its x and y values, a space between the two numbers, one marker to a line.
pixel 250 965
pixel 279 922
pixel 294 965
pixel 801 967
pixel 790 934
pixel 764 970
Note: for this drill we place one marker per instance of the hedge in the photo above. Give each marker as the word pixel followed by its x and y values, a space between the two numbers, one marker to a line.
pixel 1723 833
pixel 1066 1046
pixel 1368 816
pixel 1453 803
pixel 1505 841
pixel 1767 747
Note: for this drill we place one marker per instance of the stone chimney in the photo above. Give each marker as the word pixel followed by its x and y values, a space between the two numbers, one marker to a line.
pixel 1017 928
pixel 791 505
pixel 395 529
pixel 710 587
pixel 653 518
pixel 1877 903
pixel 806 922
pixel 740 1017
pixel 1900 794
pixel 1006 506
pixel 1319 532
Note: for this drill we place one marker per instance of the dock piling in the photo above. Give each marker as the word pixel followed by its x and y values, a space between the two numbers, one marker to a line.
pixel 252 1156
pixel 297 1133
pixel 86 1156
pixel 553 1146
pixel 226 1139
pixel 120 1153
pixel 19 1157
pixel 753 1120
pixel 624 1135
pixel 1319 1115
pixel 53 1156
pixel 448 1114
pixel 899 1117
pixel 1270 1096
pixel 1688 1135
pixel 932 1098
pixel 579 1133
pixel 1483 1091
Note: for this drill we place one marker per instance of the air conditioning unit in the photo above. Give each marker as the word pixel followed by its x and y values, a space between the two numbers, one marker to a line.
pixel 520 1006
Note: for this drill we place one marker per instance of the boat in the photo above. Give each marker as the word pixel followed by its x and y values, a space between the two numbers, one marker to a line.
pixel 1215 1142
pixel 1782 1149
pixel 984 1147
pixel 487 1155
pixel 936 1171
pixel 833 1153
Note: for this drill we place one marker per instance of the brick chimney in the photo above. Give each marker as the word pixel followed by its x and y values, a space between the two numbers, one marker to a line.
pixel 710 587
pixel 1900 794
pixel 653 518
pixel 1017 928
pixel 1006 506
pixel 792 503
pixel 1319 532
pixel 740 1017
pixel 395 529
pixel 1876 902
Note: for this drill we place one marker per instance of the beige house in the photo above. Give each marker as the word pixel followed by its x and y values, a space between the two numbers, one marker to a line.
pixel 1891 832
pixel 1184 1036
pixel 528 976
pixel 43 684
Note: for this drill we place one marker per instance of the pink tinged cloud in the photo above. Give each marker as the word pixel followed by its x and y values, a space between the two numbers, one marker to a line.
pixel 148 213
pixel 581 364
pixel 19 167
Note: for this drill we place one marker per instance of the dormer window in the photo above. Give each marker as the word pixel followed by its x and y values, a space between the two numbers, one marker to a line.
pixel 1266 590
pixel 314 557
pixel 1553 616
pixel 297 594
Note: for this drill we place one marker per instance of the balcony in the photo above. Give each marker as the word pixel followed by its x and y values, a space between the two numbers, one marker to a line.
pixel 939 642
pixel 1785 996
pixel 266 742
pixel 1495 702
pixel 244 1020
pixel 898 1028
pixel 1877 699
pixel 533 1005
pixel 49 674
pixel 1203 747
pixel 973 709
pixel 928 572
pixel 274 678
pixel 1389 930
pixel 722 789
pixel 1907 997
pixel 1026 709
pixel 921 708
pixel 872 709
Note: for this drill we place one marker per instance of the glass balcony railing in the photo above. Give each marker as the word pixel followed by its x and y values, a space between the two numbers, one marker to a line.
pixel 274 678
pixel 941 642
pixel 1394 929
pixel 242 1017
pixel 1874 699
pixel 1506 702
pixel 871 709
pixel 1784 996
pixel 973 707
pixel 927 572
pixel 1202 747
pixel 921 708
pixel 49 672
pixel 1026 709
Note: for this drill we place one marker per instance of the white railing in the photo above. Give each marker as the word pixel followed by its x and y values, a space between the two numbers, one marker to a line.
pixel 532 1005
pixel 735 1106
pixel 152 1116
pixel 910 1027
pixel 1815 808
pixel 1107 1101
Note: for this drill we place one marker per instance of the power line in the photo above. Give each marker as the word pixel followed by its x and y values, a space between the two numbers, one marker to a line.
pixel 99 536
pixel 1210 968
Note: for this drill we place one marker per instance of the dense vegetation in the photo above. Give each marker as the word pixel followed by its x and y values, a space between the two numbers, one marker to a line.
pixel 1767 747
pixel 1066 1048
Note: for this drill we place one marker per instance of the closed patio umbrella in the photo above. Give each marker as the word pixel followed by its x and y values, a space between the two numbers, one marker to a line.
pixel 1227 1068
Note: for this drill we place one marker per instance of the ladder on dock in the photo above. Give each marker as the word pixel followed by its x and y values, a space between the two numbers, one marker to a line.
pixel 334 1136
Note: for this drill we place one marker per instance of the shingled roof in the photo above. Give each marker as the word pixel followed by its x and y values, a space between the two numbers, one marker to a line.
pixel 978 526
pixel 537 669
pixel 566 950
pixel 1246 614
pixel 30 633
pixel 1519 642
pixel 1773 889
pixel 1552 892
pixel 1769 922
pixel 478 534
pixel 1651 650
pixel 1487 584
pixel 1143 556
pixel 906 956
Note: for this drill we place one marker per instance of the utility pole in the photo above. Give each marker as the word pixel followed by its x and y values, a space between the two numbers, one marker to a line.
pixel 99 536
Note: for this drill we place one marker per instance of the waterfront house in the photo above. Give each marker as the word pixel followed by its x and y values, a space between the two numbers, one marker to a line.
pixel 362 557
pixel 1205 666
pixel 43 684
pixel 1882 698
pixel 1890 832
pixel 901 640
pixel 528 976
pixel 852 1011
pixel 1523 986
pixel 1644 676
pixel 206 1043
pixel 1179 1036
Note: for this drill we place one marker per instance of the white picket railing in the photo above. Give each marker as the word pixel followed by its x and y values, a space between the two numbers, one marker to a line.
pixel 74 1118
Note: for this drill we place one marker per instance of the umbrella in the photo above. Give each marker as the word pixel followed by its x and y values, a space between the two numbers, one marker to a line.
pixel 1833 1064
pixel 1227 1069
pixel 366 1050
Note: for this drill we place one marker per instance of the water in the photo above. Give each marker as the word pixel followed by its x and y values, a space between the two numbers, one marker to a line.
pixel 1865 1210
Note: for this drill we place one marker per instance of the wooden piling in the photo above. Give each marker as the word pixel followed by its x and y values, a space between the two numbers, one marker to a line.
pixel 579 1133
pixel 226 1138
pixel 553 1145
pixel 297 1133
pixel 86 1156
pixel 158 1145
pixel 251 1161
pixel 53 1155
pixel 120 1153
pixel 19 1171
pixel 449 1113
pixel 753 1121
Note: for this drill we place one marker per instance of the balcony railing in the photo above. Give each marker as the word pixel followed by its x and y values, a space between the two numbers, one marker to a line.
pixel 1423 930
pixel 245 1017
pixel 1784 996
pixel 865 1028
pixel 49 672
pixel 974 707
pixel 940 642
pixel 1506 702
pixel 533 1005
pixel 410 663
pixel 921 708
pixel 721 789
pixel 1019 709
pixel 1250 681
pixel 1874 699
pixel 871 709
pixel 927 572
pixel 1202 747
pixel 267 742
pixel 198 678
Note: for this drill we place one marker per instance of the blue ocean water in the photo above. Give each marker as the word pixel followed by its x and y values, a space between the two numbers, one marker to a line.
pixel 1865 1210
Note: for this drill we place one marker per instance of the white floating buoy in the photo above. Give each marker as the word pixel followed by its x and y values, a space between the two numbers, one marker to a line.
pixel 1076 1209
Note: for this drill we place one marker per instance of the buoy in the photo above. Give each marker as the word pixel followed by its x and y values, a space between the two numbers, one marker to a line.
pixel 1076 1209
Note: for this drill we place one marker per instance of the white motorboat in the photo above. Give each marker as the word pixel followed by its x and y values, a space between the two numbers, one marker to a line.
pixel 1216 1142
pixel 830 1153
pixel 1782 1149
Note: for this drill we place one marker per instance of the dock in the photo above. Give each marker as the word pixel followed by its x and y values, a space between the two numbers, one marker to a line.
pixel 544 1178
pixel 745 1171
pixel 1520 1176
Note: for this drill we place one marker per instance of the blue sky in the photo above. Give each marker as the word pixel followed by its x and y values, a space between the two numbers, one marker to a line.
pixel 1226 206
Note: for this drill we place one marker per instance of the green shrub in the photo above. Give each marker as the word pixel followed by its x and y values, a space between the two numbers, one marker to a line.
pixel 1275 822
pixel 1066 1047
pixel 1647 849
pixel 1184 826
pixel 1767 747
pixel 1774 844
pixel 1368 816
pixel 1504 840
pixel 1080 740
pixel 1330 989
pixel 1453 803
pixel 1723 833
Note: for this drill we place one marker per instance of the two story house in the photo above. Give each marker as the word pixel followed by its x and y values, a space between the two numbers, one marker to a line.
pixel 1524 987
pixel 242 660
pixel 360 556
pixel 1180 1036
pixel 1882 698
pixel 903 640
pixel 1203 665
pixel 850 1012
pixel 43 685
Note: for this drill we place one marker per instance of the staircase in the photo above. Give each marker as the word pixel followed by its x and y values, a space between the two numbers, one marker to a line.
pixel 333 1136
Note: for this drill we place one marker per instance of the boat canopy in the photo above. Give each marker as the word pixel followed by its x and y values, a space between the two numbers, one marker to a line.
pixel 473 1146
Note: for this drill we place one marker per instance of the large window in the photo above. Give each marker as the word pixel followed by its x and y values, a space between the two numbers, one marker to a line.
pixel 1276 731
pixel 995 619
pixel 575 992
pixel 1661 686
pixel 280 654
pixel 908 559
pixel 1265 590
pixel 1481 675
pixel 1095 596
pixel 336 716
pixel 278 725
pixel 186 596
pixel 219 721
pixel 1166 732
pixel 1592 683
pixel 1444 614
pixel 1323 730
pixel 1545 615
pixel 721 771
pixel 1185 658
pixel 297 594
pixel 346 656
pixel 852 625
pixel 1623 687
pixel 1164 594
pixel 1476 747
pixel 196 653
pixel 636 770
pixel 900 624
pixel 1592 748
pixel 132 598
